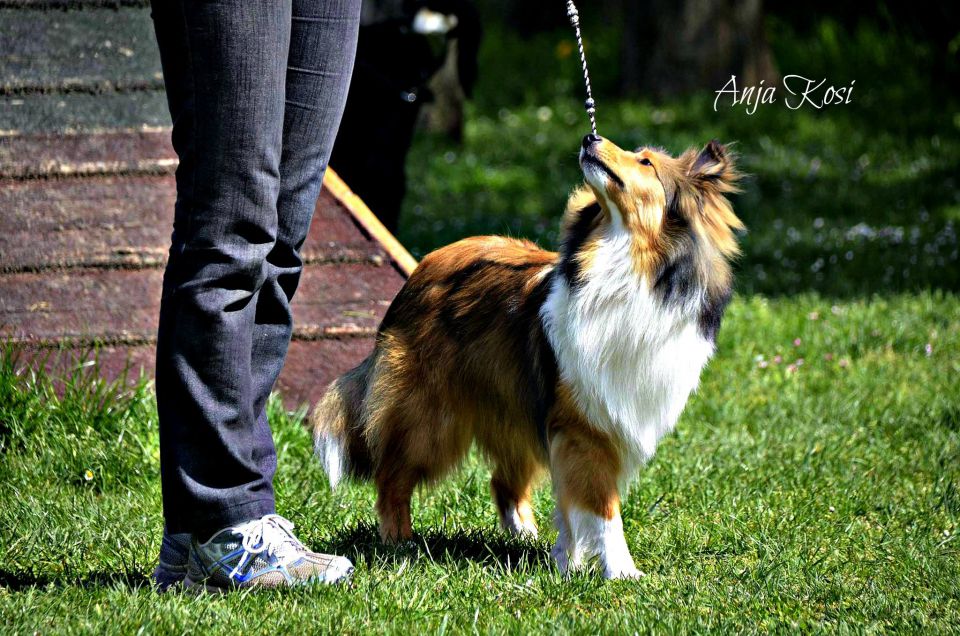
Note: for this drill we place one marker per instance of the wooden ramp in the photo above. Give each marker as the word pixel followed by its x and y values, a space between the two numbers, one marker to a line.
pixel 85 223
pixel 86 206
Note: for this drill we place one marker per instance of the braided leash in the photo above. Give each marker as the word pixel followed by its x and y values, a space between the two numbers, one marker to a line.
pixel 589 104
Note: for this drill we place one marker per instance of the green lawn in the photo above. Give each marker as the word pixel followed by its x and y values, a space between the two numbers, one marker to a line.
pixel 820 495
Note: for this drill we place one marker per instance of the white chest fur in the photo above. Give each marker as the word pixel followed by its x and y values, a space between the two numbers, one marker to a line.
pixel 630 361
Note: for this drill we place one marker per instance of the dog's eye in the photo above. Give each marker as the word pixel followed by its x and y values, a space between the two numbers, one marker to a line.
pixel 646 162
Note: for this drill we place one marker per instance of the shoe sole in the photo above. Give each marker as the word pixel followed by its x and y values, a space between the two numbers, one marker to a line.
pixel 199 587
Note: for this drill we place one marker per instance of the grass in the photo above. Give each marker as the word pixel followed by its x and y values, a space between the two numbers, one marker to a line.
pixel 824 497
pixel 821 495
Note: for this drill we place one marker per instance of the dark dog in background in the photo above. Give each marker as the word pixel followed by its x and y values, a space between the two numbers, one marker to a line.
pixel 406 53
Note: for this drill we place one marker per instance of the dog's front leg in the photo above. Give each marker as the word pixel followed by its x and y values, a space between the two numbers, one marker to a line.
pixel 585 467
pixel 601 536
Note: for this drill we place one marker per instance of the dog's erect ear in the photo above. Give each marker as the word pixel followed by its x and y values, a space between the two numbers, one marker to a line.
pixel 710 160
pixel 715 164
pixel 710 176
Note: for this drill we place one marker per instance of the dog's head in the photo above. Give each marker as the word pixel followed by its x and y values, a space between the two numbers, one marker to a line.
pixel 671 208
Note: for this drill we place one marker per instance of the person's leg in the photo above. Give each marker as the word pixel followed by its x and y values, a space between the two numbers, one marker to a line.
pixel 322 46
pixel 225 70
pixel 171 35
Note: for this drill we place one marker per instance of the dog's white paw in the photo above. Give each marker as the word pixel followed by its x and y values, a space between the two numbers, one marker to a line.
pixel 527 531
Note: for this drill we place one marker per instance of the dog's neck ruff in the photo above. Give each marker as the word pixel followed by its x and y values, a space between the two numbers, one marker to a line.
pixel 629 359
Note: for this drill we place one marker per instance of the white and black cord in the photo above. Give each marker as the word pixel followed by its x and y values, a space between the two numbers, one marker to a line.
pixel 589 104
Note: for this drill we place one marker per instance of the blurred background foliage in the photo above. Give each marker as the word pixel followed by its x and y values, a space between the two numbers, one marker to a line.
pixel 848 200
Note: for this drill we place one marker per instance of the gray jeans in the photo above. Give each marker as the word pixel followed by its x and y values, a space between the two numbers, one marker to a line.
pixel 256 89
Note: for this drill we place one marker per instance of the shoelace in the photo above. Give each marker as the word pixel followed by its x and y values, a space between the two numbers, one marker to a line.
pixel 272 534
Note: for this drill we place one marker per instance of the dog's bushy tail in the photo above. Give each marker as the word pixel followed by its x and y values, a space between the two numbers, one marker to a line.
pixel 338 424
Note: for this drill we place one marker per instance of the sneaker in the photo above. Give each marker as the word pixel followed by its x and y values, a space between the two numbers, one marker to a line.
pixel 172 566
pixel 260 553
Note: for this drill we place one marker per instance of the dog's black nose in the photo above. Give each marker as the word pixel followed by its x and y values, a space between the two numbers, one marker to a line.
pixel 591 139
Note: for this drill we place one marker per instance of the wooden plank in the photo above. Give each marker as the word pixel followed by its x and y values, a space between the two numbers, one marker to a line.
pixel 150 152
pixel 403 260
pixel 114 152
pixel 75 112
pixel 125 222
pixel 109 305
pixel 118 217
pixel 95 50
pixel 121 306
pixel 51 5
pixel 310 366
pixel 108 222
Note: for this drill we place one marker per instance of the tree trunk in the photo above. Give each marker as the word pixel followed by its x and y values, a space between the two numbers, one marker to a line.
pixel 677 46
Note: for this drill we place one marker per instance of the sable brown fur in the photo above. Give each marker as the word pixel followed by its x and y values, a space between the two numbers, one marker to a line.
pixel 462 355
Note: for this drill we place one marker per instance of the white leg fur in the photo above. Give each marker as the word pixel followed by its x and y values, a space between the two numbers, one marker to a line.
pixel 592 535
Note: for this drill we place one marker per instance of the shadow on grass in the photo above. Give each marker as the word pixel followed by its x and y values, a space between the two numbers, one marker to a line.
pixel 489 549
pixel 485 548
pixel 18 581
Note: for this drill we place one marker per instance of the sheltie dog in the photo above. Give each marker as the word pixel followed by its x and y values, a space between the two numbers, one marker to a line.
pixel 577 361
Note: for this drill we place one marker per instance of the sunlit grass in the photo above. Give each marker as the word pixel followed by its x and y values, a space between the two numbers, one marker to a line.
pixel 824 494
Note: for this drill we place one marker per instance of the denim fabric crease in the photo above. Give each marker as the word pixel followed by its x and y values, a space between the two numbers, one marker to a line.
pixel 256 89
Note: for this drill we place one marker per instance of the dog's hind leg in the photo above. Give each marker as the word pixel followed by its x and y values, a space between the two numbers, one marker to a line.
pixel 512 489
pixel 514 508
pixel 421 447
pixel 394 491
